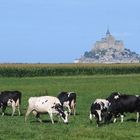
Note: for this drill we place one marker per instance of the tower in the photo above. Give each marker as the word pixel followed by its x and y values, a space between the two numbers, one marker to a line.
pixel 108 33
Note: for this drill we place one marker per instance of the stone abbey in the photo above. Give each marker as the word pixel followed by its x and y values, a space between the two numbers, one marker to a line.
pixel 109 50
pixel 109 42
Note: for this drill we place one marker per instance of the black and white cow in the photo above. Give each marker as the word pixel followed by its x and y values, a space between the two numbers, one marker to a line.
pixel 98 110
pixel 46 104
pixel 68 100
pixel 10 98
pixel 122 103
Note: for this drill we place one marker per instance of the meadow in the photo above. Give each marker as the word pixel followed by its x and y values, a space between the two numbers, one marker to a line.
pixel 88 88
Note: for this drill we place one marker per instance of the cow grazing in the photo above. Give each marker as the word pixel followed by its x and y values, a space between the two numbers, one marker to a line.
pixel 10 98
pixel 98 110
pixel 46 104
pixel 68 100
pixel 122 103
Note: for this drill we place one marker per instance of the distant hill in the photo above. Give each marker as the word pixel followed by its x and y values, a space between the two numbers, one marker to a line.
pixel 109 50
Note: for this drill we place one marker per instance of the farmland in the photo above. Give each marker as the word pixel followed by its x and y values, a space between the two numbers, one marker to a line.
pixel 88 88
pixel 31 70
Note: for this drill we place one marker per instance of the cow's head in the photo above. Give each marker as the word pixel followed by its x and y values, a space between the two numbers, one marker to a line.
pixel 100 110
pixel 62 113
pixel 97 111
pixel 114 96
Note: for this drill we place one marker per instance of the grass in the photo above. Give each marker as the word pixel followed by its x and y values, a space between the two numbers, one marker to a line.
pixel 88 88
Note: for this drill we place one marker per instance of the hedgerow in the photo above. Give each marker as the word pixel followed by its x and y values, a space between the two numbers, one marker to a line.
pixel 31 70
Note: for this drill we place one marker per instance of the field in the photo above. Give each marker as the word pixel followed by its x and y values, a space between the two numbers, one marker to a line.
pixel 31 70
pixel 88 88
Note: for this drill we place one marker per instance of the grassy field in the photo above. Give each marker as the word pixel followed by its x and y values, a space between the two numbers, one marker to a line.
pixel 88 88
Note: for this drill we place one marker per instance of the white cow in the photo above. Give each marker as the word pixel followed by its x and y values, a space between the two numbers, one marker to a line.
pixel 46 104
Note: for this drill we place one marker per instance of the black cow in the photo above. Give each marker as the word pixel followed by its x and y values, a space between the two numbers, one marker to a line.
pixel 98 110
pixel 68 100
pixel 10 98
pixel 122 103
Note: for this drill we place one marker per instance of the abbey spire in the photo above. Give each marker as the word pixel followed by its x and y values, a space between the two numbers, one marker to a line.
pixel 107 42
pixel 108 32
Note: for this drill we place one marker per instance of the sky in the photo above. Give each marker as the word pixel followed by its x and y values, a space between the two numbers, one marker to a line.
pixel 59 31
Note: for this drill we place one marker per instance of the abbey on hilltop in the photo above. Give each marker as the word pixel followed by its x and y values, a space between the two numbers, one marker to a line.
pixel 109 50
pixel 109 42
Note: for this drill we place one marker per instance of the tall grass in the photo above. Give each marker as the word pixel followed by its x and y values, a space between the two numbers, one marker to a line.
pixel 31 70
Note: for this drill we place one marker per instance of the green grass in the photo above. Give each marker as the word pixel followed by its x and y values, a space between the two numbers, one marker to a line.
pixel 88 88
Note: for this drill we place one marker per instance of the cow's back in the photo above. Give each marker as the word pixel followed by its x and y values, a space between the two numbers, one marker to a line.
pixel 62 96
pixel 67 96
pixel 129 103
pixel 43 103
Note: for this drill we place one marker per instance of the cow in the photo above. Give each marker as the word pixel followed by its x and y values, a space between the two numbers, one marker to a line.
pixel 98 110
pixel 10 98
pixel 46 104
pixel 68 100
pixel 123 103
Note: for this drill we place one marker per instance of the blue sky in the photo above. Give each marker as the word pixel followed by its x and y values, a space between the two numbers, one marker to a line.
pixel 59 31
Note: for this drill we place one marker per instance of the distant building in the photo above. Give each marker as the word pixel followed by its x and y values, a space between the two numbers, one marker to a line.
pixel 109 42
pixel 109 50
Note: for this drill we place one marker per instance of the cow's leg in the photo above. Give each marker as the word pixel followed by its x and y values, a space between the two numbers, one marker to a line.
pixel 73 107
pixel 59 118
pixel 67 106
pixel 13 107
pixel 37 115
pixel 97 121
pixel 73 110
pixel 114 120
pixel 122 118
pixel 69 110
pixel 138 114
pixel 18 106
pixel 51 117
pixel 90 117
pixel 27 113
pixel 3 110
